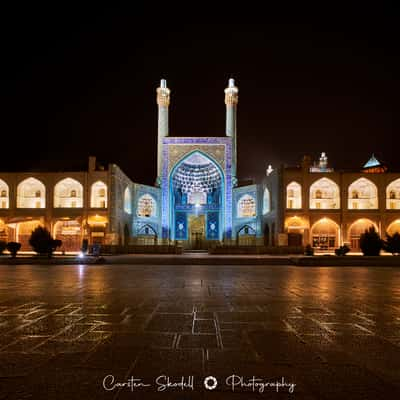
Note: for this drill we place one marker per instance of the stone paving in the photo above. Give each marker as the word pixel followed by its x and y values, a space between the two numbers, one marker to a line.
pixel 333 332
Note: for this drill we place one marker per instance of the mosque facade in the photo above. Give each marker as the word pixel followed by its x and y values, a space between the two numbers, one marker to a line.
pixel 197 201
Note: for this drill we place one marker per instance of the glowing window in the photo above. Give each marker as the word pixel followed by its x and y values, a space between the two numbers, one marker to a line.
pixel 293 195
pixel 146 206
pixel 324 193
pixel 393 195
pixel 246 206
pixel 127 201
pixel 197 198
pixel 31 194
pixel 3 194
pixel 98 197
pixel 363 195
pixel 68 193
pixel 266 201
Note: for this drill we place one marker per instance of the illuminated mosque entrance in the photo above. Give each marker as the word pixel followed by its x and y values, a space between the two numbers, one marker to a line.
pixel 197 200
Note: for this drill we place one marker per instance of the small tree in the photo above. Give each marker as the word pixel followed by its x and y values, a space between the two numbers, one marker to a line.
pixel 13 248
pixel 392 243
pixel 42 241
pixel 3 246
pixel 370 242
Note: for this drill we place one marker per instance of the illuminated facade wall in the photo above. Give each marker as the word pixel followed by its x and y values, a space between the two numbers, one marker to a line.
pixel 196 181
pixel 61 201
pixel 248 205
pixel 334 205
pixel 146 213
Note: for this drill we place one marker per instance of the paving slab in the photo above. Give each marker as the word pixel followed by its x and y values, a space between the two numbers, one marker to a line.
pixel 333 331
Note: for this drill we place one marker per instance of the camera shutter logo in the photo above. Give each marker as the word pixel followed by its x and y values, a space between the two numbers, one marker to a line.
pixel 210 382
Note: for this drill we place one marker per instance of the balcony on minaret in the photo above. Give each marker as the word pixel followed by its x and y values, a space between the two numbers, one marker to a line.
pixel 231 93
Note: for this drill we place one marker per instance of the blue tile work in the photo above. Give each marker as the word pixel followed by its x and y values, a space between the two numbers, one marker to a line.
pixel 181 226
pixel 212 226
pixel 253 223
pixel 153 222
pixel 225 221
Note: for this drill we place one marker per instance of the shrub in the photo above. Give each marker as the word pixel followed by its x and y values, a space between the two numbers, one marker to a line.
pixel 342 250
pixel 392 243
pixel 370 242
pixel 309 251
pixel 13 248
pixel 42 241
pixel 3 246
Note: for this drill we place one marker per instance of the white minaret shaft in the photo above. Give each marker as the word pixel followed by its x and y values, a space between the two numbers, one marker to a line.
pixel 163 98
pixel 231 101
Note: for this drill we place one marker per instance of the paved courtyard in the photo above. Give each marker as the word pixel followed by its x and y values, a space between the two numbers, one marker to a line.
pixel 70 332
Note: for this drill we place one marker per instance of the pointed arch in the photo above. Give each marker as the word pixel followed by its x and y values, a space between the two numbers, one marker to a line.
pixel 393 195
pixel 127 200
pixel 325 234
pixel 393 227
pixel 68 193
pixel 146 206
pixel 325 194
pixel 356 229
pixel 209 189
pixel 266 201
pixel 293 195
pixel 246 236
pixel 362 195
pixel 4 195
pixel 147 230
pixel 31 193
pixel 246 206
pixel 98 195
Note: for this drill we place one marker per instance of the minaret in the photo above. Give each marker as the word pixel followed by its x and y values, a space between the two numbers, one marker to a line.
pixel 163 102
pixel 231 101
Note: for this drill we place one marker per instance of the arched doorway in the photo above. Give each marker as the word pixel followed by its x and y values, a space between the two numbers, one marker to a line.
pixel 246 236
pixel 295 227
pixel 24 231
pixel 196 200
pixel 325 234
pixel 97 225
pixel 70 233
pixel 394 227
pixel 147 235
pixel 355 231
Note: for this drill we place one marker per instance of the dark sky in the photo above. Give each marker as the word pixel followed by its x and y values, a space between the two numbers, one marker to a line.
pixel 81 80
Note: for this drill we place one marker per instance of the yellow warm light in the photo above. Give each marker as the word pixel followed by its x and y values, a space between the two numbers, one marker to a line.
pixel 97 220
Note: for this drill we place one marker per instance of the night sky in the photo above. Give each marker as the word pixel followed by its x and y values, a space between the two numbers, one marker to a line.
pixel 79 81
